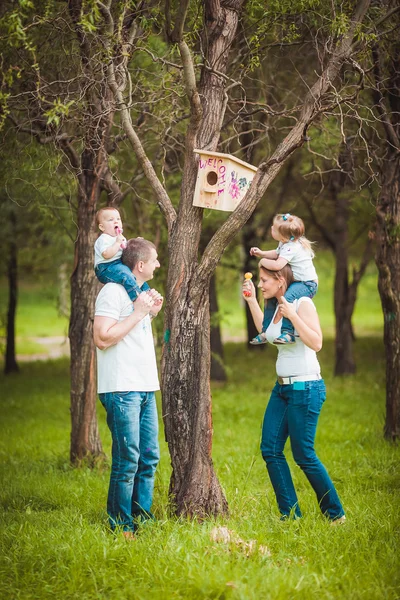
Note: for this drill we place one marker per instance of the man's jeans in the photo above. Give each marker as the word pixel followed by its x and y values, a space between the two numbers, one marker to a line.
pixel 132 419
pixel 294 412
pixel 116 272
pixel 296 290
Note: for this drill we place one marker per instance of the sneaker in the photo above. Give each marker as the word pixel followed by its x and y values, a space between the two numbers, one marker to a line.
pixel 285 338
pixel 259 339
pixel 339 521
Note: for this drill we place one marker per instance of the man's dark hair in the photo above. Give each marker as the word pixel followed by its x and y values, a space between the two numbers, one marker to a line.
pixel 137 249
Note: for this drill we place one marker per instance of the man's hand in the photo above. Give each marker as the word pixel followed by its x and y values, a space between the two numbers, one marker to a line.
pixel 144 303
pixel 158 302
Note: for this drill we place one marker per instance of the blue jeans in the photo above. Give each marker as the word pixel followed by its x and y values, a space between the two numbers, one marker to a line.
pixel 132 419
pixel 294 412
pixel 116 272
pixel 296 290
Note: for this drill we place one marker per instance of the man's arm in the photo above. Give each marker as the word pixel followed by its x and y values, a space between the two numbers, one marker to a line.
pixel 108 331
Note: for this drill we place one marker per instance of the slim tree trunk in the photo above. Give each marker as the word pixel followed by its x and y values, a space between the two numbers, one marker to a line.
pixel 387 106
pixel 344 355
pixel 217 370
pixel 85 440
pixel 11 365
pixel 388 262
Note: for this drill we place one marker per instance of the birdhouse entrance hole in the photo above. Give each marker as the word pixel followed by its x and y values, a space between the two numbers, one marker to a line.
pixel 212 178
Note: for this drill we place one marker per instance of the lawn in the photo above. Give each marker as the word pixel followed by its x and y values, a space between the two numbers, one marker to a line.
pixel 54 537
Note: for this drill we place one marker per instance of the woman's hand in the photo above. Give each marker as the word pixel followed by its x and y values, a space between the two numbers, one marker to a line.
pixel 248 290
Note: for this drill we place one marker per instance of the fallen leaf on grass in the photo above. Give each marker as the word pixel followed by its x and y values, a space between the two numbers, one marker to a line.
pixel 223 535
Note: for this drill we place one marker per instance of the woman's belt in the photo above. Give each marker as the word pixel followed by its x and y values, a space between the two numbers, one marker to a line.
pixel 292 379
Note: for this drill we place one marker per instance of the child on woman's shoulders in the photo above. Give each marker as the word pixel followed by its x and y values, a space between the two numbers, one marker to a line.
pixel 293 248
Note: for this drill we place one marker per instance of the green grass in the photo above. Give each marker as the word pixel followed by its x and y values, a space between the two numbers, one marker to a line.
pixel 37 313
pixel 54 537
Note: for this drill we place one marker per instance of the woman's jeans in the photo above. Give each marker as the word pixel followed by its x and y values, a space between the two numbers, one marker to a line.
pixel 116 272
pixel 296 290
pixel 132 419
pixel 293 410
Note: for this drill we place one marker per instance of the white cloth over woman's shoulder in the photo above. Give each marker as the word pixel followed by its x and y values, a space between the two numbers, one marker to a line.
pixel 103 242
pixel 300 259
pixel 297 358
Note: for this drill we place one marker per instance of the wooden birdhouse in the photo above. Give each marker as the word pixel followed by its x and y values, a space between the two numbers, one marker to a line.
pixel 222 180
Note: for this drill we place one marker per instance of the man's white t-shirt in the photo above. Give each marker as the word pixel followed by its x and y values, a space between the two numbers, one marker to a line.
pixel 300 259
pixel 103 242
pixel 130 365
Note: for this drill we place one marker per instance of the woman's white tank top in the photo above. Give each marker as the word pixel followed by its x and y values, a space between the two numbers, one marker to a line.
pixel 297 358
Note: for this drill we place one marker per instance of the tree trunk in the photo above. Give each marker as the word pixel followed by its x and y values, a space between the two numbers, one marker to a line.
pixel 85 441
pixel 217 371
pixel 249 239
pixel 194 487
pixel 11 365
pixel 388 262
pixel 344 356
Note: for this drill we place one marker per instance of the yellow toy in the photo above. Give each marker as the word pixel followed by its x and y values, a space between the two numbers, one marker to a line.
pixel 248 277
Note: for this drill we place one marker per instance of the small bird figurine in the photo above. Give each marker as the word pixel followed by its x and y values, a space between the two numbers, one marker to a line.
pixel 247 277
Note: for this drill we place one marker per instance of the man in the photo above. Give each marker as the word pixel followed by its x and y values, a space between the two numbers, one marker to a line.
pixel 127 379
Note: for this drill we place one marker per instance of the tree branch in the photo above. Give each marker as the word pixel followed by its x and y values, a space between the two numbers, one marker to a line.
pixel 296 137
pixel 163 199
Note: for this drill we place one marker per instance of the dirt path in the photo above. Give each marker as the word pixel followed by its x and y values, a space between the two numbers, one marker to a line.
pixel 53 347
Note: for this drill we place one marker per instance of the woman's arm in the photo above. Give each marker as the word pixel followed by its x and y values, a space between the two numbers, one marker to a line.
pixel 305 321
pixel 256 312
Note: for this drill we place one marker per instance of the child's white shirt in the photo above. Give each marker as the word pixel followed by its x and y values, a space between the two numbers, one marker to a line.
pixel 102 243
pixel 300 259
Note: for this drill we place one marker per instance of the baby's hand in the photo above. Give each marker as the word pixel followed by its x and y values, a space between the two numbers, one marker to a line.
pixel 120 238
pixel 255 251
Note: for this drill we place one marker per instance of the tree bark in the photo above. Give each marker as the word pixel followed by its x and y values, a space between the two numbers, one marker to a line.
pixel 85 440
pixel 11 365
pixel 344 298
pixel 387 106
pixel 217 370
pixel 388 263
pixel 194 487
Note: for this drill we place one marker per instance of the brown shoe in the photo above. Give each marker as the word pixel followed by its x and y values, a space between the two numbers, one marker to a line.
pixel 129 535
pixel 339 521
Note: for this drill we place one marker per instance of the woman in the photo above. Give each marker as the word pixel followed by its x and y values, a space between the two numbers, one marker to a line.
pixel 296 398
